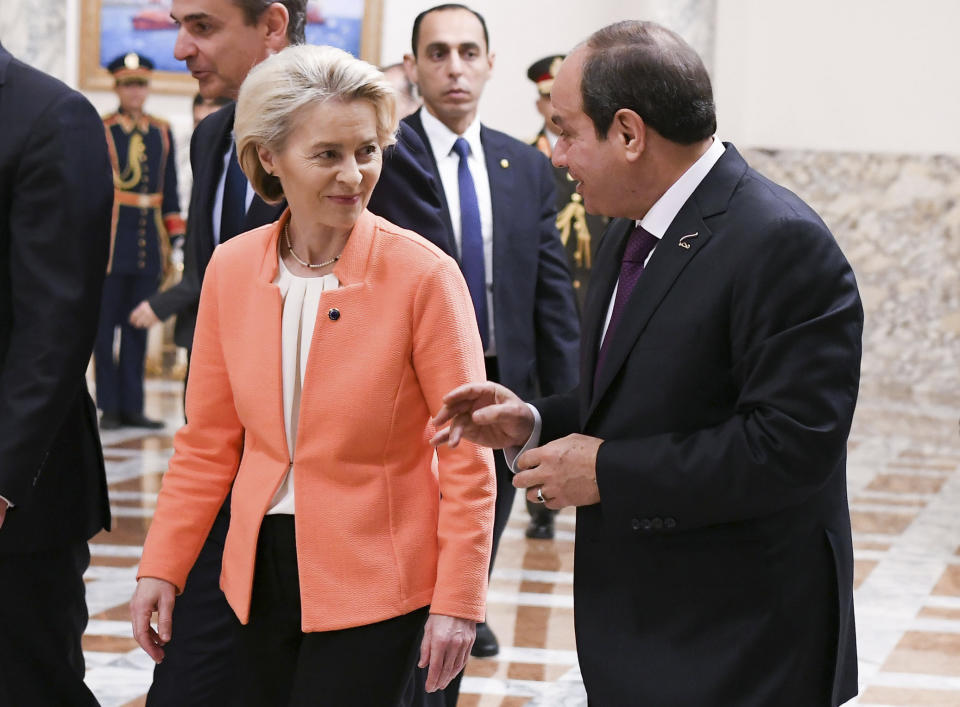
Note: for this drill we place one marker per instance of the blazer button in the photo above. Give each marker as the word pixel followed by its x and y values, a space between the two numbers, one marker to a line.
pixel 635 524
pixel 334 314
pixel 646 524
pixel 657 523
pixel 669 523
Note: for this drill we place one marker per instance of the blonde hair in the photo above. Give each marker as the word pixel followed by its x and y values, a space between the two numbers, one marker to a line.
pixel 280 87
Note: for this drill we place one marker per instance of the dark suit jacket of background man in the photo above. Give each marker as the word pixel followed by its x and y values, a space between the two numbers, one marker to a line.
pixel 535 315
pixel 405 195
pixel 56 192
pixel 717 568
pixel 199 663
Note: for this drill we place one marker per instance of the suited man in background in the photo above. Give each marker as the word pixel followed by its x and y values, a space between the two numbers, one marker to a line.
pixel 56 192
pixel 500 213
pixel 221 40
pixel 705 448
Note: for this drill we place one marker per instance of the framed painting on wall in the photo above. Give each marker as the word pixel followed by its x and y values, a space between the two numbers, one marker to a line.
pixel 110 28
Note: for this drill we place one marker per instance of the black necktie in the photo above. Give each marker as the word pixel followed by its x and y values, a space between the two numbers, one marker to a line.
pixel 234 198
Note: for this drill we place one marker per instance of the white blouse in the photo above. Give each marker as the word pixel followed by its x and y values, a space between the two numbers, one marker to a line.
pixel 301 300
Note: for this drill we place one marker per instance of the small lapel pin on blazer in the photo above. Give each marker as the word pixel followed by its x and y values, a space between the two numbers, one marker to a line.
pixel 504 163
pixel 683 241
pixel 334 314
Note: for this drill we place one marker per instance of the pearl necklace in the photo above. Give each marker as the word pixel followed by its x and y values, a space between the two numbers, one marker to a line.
pixel 304 263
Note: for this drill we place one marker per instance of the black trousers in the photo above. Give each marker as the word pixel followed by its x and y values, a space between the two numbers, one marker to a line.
pixel 43 613
pixel 200 664
pixel 365 666
pixel 120 383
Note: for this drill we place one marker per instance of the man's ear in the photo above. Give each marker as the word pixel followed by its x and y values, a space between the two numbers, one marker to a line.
pixel 266 159
pixel 410 68
pixel 630 132
pixel 275 20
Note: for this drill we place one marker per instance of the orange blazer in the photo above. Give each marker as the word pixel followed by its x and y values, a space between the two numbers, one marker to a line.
pixel 384 523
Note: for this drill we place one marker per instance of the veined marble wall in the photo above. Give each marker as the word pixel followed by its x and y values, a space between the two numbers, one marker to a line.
pixel 35 31
pixel 694 20
pixel 897 218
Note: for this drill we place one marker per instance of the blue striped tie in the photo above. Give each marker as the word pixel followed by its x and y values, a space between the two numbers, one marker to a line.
pixel 471 241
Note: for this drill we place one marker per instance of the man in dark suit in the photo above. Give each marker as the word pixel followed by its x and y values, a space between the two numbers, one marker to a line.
pixel 56 191
pixel 220 40
pixel 705 449
pixel 500 213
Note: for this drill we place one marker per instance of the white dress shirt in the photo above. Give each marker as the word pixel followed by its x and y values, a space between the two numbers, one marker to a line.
pixel 301 301
pixel 441 140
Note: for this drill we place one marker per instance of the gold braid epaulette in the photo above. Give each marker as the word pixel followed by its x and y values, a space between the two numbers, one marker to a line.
pixel 131 175
pixel 574 215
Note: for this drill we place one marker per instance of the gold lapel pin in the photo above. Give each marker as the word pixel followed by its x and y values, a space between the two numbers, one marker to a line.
pixel 683 241
pixel 504 163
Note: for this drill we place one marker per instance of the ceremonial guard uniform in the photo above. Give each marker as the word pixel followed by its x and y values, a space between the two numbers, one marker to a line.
pixel 146 215
pixel 579 232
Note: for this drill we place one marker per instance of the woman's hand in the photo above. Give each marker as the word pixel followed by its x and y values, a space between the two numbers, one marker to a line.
pixel 152 595
pixel 446 646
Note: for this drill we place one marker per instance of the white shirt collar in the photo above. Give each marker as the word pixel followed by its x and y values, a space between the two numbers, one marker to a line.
pixel 666 208
pixel 442 138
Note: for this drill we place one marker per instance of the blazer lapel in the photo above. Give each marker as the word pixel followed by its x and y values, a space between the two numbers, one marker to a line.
pixel 212 166
pixel 680 244
pixel 413 121
pixel 268 313
pixel 502 193
pixel 260 212
pixel 606 270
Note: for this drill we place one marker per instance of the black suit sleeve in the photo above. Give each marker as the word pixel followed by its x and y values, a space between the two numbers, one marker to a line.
pixel 407 194
pixel 186 293
pixel 795 342
pixel 59 232
pixel 555 315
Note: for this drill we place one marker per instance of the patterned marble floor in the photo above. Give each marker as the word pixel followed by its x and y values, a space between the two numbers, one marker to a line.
pixel 904 485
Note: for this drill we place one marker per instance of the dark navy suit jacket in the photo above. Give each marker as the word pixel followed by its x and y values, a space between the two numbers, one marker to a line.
pixel 406 195
pixel 534 311
pixel 56 192
pixel 717 568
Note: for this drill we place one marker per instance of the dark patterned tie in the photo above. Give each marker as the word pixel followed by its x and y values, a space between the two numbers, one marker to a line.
pixel 639 245
pixel 234 198
pixel 471 241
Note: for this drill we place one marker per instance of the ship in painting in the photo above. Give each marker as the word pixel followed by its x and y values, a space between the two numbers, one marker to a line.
pixel 157 16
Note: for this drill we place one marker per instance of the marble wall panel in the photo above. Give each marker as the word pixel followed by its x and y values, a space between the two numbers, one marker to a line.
pixel 897 218
pixel 35 32
pixel 694 20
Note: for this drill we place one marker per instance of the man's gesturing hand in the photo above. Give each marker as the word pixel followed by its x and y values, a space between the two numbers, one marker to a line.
pixel 143 316
pixel 487 414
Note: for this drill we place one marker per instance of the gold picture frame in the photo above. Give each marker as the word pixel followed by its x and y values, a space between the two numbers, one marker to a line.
pixel 94 75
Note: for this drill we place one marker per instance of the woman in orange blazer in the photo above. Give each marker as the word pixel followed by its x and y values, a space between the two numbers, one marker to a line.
pixel 324 343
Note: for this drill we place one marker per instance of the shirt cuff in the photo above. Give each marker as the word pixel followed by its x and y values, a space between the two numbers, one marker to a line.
pixel 4 498
pixel 511 453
